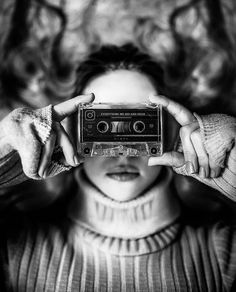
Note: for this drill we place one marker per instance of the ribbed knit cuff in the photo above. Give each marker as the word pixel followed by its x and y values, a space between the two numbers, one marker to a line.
pixel 43 122
pixel 43 126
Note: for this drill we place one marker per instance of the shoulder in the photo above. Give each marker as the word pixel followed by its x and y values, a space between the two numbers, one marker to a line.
pixel 219 234
pixel 30 236
pixel 224 243
pixel 31 245
pixel 214 246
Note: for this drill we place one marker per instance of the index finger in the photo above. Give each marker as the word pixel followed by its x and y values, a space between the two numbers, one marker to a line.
pixel 182 115
pixel 68 107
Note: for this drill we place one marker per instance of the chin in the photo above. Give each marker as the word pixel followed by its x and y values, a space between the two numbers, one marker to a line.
pixel 124 194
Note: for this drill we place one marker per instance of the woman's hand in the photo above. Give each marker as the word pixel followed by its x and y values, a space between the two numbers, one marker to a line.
pixel 60 136
pixel 194 155
pixel 34 134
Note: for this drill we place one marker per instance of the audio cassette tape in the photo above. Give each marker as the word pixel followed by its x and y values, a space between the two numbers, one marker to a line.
pixel 120 129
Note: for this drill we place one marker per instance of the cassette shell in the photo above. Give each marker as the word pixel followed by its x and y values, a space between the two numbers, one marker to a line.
pixel 110 130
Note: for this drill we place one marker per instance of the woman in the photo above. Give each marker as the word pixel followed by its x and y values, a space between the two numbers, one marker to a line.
pixel 121 229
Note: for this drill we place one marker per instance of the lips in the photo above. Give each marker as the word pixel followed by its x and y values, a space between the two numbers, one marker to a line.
pixel 123 173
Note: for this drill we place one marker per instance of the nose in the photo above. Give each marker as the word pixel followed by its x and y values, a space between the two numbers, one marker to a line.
pixel 122 158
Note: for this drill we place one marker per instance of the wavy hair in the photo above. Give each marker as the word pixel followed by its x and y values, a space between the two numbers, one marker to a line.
pixel 42 43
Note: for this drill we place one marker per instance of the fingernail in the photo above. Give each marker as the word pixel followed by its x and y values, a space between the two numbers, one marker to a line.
pixel 202 172
pixel 161 99
pixel 76 160
pixel 45 174
pixel 92 96
pixel 189 167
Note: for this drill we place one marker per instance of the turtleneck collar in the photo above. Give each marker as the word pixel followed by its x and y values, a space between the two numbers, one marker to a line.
pixel 148 214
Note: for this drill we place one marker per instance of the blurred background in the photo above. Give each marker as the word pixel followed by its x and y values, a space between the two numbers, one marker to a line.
pixel 42 42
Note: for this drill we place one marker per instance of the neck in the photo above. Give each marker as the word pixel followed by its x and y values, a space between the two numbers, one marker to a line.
pixel 138 218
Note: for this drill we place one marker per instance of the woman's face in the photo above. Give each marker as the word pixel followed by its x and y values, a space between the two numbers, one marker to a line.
pixel 121 178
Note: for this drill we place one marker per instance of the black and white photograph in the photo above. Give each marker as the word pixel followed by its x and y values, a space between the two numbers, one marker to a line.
pixel 117 145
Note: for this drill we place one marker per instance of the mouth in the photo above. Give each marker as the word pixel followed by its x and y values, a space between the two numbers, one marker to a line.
pixel 123 174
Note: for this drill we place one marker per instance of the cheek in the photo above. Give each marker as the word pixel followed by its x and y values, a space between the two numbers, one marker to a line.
pixel 94 168
pixel 148 173
pixel 151 173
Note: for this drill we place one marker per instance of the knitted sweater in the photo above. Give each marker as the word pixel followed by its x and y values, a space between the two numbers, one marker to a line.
pixel 107 245
pixel 78 253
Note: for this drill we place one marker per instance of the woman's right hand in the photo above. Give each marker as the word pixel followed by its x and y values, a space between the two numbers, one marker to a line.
pixel 34 134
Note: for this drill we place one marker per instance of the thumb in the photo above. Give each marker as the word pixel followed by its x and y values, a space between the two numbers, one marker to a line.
pixel 66 108
pixel 173 158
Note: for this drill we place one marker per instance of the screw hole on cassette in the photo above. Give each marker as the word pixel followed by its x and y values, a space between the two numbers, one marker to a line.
pixel 86 150
pixel 153 150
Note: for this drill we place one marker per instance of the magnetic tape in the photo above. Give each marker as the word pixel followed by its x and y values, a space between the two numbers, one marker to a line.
pixel 120 129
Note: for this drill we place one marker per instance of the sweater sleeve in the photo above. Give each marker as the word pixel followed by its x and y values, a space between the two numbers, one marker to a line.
pixel 24 132
pixel 218 133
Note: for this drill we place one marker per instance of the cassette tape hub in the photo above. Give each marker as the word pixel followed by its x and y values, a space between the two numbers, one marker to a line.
pixel 120 129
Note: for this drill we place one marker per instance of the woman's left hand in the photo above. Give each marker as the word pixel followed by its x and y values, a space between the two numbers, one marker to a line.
pixel 194 155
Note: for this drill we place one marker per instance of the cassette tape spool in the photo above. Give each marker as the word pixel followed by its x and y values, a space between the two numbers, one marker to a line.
pixel 120 129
